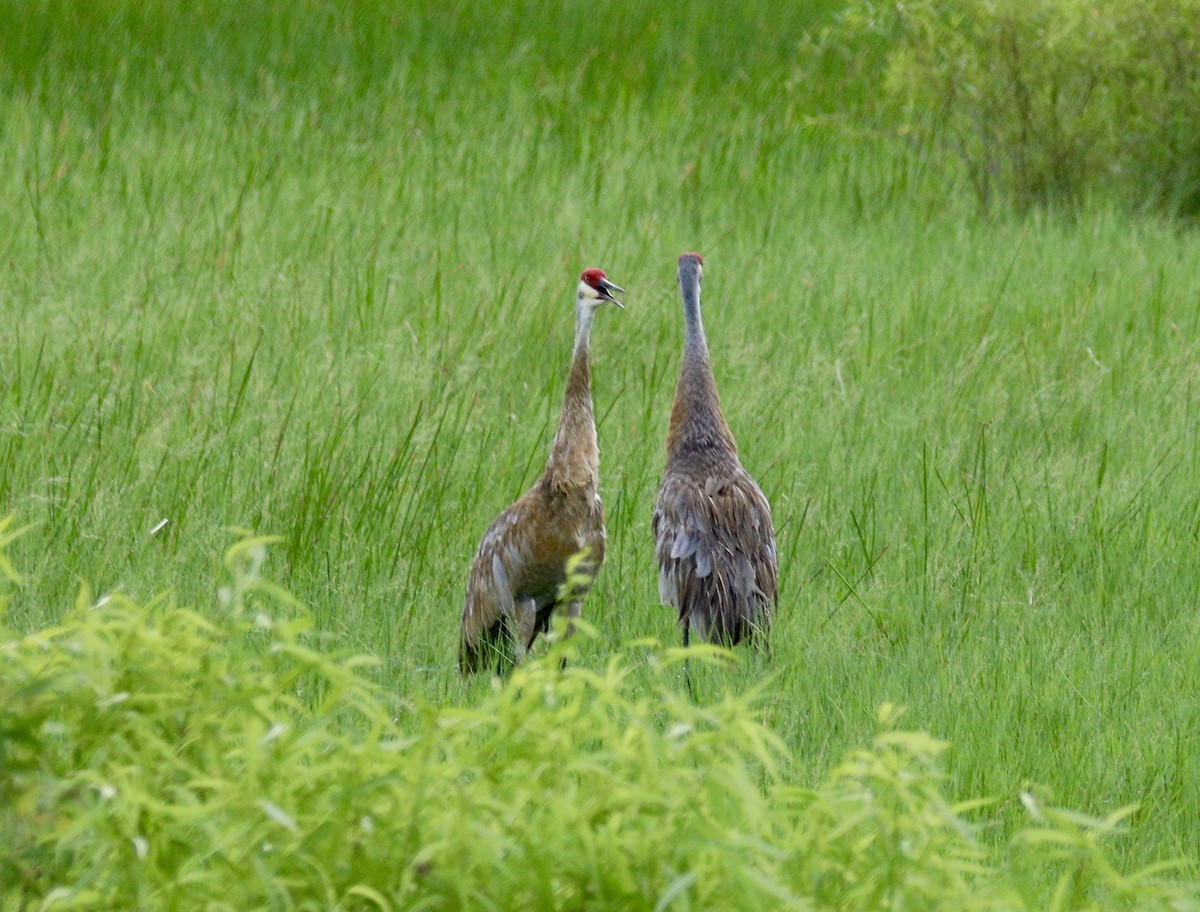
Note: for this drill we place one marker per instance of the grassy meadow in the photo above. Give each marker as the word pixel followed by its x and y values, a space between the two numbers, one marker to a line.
pixel 308 271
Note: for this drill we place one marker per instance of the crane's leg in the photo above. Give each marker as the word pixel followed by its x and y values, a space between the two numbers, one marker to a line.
pixel 525 618
pixel 687 663
pixel 572 612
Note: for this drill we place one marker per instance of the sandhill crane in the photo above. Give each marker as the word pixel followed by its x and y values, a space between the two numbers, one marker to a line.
pixel 714 539
pixel 521 562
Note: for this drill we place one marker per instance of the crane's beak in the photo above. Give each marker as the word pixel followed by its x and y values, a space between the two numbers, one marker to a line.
pixel 606 290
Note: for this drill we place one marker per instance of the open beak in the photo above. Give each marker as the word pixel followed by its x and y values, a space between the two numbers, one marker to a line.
pixel 606 290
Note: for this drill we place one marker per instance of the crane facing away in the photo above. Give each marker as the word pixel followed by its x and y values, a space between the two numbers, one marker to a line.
pixel 714 539
pixel 521 563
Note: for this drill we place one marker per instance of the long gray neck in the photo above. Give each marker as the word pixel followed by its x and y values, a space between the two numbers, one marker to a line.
pixel 696 419
pixel 584 317
pixel 694 343
pixel 575 456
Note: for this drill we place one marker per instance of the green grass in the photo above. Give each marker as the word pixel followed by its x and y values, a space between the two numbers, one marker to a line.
pixel 310 273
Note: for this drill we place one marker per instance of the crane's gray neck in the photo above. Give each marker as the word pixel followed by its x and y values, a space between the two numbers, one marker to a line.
pixel 694 342
pixel 584 318
pixel 697 422
pixel 575 456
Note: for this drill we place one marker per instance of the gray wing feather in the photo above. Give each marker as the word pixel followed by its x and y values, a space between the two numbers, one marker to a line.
pixel 715 546
pixel 684 545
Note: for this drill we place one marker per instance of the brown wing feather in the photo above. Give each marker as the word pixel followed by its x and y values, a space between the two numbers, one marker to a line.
pixel 715 545
pixel 487 608
pixel 522 559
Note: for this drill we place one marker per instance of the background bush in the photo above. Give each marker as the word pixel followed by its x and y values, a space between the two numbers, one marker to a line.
pixel 1038 103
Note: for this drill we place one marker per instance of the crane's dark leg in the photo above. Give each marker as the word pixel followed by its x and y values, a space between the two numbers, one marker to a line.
pixel 574 610
pixel 525 620
pixel 687 663
pixel 572 613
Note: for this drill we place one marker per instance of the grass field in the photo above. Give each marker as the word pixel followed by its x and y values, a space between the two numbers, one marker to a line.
pixel 310 273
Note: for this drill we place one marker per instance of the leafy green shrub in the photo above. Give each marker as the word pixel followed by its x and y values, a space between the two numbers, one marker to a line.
pixel 157 758
pixel 1039 101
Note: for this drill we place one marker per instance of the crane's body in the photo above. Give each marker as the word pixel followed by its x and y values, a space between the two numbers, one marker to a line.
pixel 516 576
pixel 714 537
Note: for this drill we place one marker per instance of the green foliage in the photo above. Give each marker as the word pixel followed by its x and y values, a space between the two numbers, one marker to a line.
pixel 155 758
pixel 1044 102
pixel 307 268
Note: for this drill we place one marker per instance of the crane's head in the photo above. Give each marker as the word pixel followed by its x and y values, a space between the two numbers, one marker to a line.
pixel 691 265
pixel 595 289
